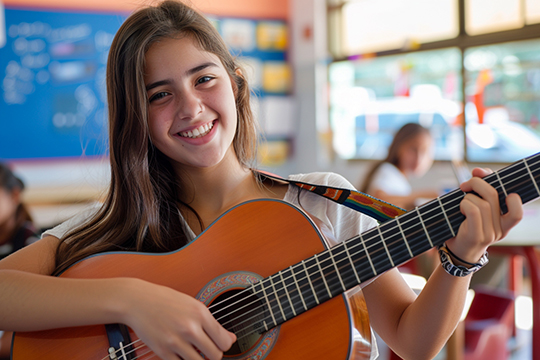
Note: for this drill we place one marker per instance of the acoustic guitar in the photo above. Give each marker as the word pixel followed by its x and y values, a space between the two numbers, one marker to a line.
pixel 266 273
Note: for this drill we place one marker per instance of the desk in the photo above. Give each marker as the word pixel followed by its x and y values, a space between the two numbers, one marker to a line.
pixel 522 240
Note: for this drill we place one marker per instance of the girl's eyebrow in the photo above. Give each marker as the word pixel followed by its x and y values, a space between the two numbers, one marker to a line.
pixel 189 72
pixel 203 66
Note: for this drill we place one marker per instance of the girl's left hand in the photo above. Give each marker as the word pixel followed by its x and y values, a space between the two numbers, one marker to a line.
pixel 484 223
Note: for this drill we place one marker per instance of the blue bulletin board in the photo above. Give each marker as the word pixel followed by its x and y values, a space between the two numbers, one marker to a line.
pixel 52 69
pixel 52 77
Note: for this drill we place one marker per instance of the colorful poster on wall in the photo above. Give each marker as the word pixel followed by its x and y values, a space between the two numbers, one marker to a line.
pixel 276 77
pixel 272 35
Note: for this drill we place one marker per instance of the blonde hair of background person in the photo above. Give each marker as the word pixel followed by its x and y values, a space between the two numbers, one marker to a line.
pixel 410 155
pixel 170 73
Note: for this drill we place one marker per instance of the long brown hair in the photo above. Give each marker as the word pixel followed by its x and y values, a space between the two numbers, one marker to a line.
pixel 406 132
pixel 140 211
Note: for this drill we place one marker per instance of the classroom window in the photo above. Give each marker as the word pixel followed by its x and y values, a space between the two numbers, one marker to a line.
pixel 466 69
pixel 372 97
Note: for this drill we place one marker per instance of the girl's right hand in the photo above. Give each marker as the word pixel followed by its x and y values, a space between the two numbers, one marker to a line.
pixel 173 324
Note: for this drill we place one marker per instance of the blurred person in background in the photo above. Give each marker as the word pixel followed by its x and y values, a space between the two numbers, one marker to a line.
pixel 16 229
pixel 410 156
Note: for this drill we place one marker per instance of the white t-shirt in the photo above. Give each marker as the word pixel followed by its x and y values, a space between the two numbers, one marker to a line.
pixel 389 179
pixel 342 222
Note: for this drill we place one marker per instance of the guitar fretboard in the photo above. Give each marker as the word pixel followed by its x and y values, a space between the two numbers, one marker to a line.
pixel 304 285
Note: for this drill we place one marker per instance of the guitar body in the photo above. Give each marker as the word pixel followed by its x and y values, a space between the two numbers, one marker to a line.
pixel 257 238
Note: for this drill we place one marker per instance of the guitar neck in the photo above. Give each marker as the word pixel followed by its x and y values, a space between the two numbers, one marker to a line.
pixel 430 225
pixel 314 280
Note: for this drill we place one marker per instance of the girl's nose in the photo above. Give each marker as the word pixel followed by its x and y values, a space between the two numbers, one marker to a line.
pixel 189 106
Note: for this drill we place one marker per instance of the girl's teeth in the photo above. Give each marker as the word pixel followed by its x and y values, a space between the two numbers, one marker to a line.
pixel 200 131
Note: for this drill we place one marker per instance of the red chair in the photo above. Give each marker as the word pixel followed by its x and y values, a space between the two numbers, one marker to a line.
pixel 489 324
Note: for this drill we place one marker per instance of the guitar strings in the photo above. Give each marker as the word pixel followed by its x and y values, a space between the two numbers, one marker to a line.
pixel 130 353
pixel 351 247
pixel 284 284
pixel 527 175
pixel 327 267
pixel 297 296
pixel 330 266
pixel 278 282
pixel 311 267
pixel 323 274
pixel 273 307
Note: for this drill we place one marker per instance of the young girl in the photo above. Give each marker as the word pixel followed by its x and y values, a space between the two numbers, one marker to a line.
pixel 182 140
pixel 410 155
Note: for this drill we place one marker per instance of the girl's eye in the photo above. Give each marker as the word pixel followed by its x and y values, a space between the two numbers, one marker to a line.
pixel 158 96
pixel 204 79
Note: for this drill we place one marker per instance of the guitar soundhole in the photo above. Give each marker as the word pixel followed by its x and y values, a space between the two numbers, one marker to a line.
pixel 241 312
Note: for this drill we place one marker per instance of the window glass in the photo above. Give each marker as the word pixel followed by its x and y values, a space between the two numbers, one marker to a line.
pixel 485 16
pixel 371 98
pixel 502 111
pixel 377 25
pixel 532 13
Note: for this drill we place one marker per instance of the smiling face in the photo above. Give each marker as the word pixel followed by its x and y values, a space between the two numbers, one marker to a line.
pixel 191 114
